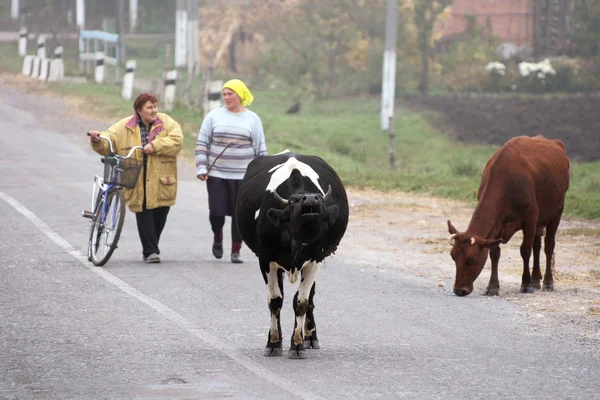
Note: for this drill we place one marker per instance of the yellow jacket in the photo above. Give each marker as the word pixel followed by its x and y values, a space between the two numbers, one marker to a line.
pixel 161 174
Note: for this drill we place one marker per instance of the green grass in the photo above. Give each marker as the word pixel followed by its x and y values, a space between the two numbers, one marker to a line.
pixel 346 133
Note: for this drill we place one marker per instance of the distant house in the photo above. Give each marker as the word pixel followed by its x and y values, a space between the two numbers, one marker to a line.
pixel 541 24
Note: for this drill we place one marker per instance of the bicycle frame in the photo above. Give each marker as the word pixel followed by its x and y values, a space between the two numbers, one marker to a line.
pixel 100 188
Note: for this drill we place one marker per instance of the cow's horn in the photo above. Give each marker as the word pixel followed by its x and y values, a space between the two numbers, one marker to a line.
pixel 472 241
pixel 451 239
pixel 279 198
pixel 328 194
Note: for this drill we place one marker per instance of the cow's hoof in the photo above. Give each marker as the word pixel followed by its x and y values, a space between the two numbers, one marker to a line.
pixel 492 292
pixel 526 289
pixel 536 285
pixel 273 351
pixel 297 352
pixel 548 287
pixel 311 343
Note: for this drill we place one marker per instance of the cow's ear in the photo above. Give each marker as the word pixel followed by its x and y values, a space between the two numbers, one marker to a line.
pixel 331 214
pixel 489 243
pixel 278 217
pixel 451 228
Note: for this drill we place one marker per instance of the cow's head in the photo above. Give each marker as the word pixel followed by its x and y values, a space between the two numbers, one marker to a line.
pixel 307 213
pixel 469 253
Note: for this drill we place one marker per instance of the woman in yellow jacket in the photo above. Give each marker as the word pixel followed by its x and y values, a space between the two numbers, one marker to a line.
pixel 156 188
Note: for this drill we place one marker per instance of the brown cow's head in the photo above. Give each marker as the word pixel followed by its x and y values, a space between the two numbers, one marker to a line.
pixel 307 214
pixel 469 253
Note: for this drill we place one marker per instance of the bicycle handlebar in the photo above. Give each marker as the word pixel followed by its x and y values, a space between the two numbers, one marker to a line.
pixel 112 149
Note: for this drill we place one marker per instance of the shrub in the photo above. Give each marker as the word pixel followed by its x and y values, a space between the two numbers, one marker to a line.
pixel 535 76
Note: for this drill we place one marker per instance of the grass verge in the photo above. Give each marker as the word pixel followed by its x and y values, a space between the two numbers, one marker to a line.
pixel 345 132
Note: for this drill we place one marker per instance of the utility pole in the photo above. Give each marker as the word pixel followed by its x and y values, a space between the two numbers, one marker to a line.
pixel 14 9
pixel 133 15
pixel 181 22
pixel 80 14
pixel 388 84
pixel 121 32
pixel 192 38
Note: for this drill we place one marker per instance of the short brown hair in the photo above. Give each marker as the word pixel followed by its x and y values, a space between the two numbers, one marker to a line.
pixel 143 99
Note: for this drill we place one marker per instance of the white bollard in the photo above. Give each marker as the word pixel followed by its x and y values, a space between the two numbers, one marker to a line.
pixel 169 96
pixel 27 65
pixel 35 70
pixel 127 90
pixel 57 66
pixel 44 69
pixel 214 95
pixel 23 42
pixel 99 71
pixel 41 46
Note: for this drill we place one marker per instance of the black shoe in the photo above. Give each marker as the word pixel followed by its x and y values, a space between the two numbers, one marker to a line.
pixel 235 258
pixel 217 249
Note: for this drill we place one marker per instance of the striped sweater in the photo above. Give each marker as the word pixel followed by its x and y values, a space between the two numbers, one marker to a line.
pixel 238 136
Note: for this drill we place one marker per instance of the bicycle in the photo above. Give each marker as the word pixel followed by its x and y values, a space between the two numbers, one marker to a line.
pixel 108 203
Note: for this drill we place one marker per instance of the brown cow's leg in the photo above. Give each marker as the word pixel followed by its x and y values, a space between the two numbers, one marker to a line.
pixel 537 274
pixel 549 242
pixel 528 236
pixel 274 280
pixel 493 288
pixel 310 327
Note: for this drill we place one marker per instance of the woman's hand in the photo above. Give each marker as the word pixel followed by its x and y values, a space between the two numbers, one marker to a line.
pixel 95 136
pixel 149 148
pixel 203 177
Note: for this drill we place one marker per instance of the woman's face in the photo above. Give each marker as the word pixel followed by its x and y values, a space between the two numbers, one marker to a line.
pixel 148 112
pixel 231 99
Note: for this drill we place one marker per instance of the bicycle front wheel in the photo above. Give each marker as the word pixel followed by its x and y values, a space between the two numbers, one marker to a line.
pixel 106 227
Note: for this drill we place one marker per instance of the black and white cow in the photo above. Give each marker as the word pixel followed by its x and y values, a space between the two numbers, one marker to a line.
pixel 292 212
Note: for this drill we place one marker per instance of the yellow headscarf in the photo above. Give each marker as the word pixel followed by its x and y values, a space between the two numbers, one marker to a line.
pixel 241 90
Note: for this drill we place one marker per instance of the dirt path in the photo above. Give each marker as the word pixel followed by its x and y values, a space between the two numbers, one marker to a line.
pixel 409 232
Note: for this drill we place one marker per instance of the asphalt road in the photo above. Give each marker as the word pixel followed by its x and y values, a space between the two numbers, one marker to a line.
pixel 194 327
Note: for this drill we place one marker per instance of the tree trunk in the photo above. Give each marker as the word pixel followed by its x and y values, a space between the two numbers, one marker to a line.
pixel 424 81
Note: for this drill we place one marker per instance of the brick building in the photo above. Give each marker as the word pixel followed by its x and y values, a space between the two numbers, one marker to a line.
pixel 541 24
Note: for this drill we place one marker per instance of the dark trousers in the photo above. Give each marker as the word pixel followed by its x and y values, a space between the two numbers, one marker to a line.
pixel 150 224
pixel 217 223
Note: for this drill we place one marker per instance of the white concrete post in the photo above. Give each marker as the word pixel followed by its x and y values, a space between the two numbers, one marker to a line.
pixel 41 46
pixel 127 90
pixel 133 15
pixel 58 53
pixel 27 65
pixel 35 70
pixel 180 38
pixel 214 95
pixel 193 43
pixel 99 71
pixel 169 96
pixel 44 69
pixel 23 41
pixel 57 66
pixel 388 83
pixel 80 14
pixel 14 9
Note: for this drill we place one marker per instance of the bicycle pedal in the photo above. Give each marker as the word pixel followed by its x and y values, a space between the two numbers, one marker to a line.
pixel 87 214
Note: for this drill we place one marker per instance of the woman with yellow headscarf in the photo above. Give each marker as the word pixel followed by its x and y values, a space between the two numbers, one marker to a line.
pixel 230 137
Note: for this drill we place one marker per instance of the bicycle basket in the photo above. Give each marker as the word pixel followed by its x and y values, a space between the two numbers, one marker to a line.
pixel 126 172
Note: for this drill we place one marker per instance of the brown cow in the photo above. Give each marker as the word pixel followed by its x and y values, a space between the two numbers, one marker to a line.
pixel 523 187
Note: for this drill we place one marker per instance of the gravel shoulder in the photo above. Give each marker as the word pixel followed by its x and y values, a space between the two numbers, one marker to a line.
pixel 409 232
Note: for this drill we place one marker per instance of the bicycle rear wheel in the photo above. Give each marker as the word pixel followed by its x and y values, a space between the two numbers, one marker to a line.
pixel 106 229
